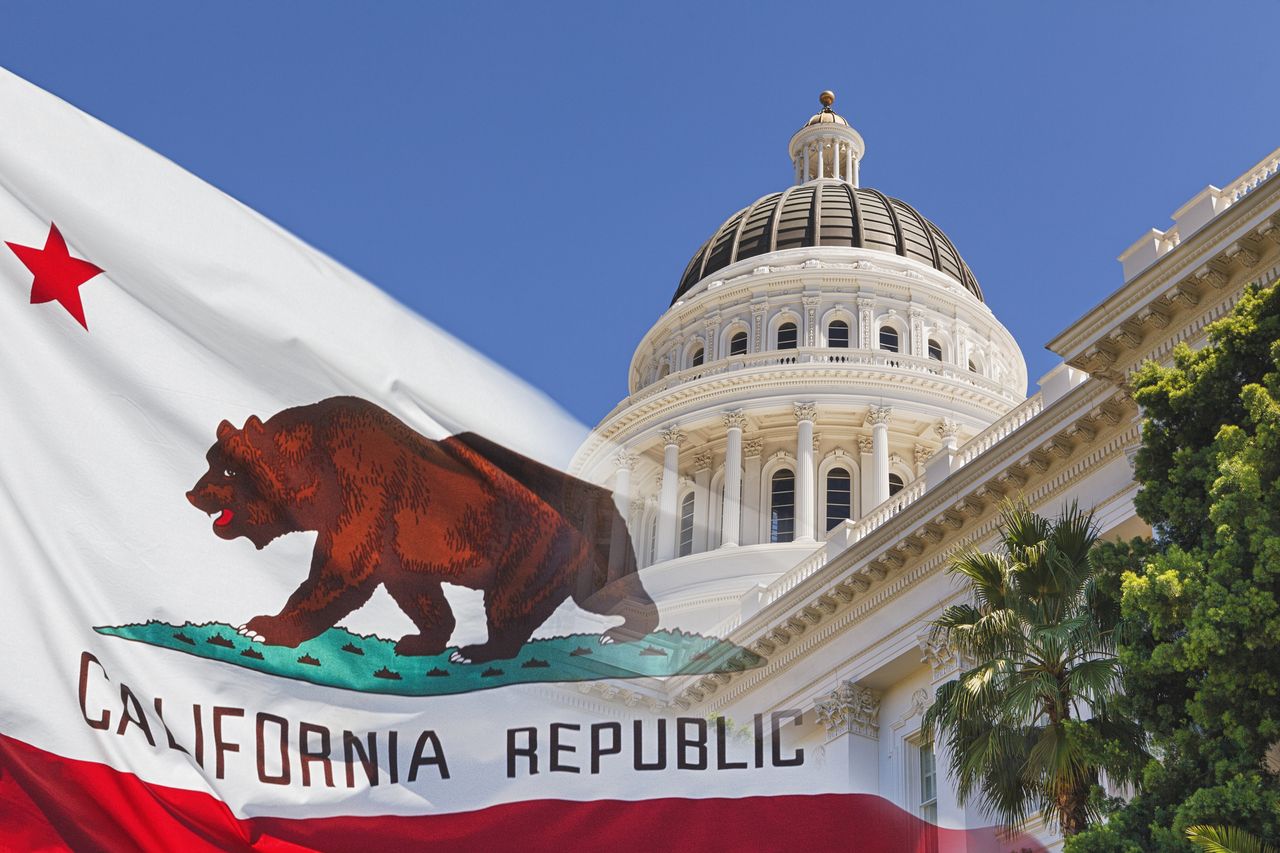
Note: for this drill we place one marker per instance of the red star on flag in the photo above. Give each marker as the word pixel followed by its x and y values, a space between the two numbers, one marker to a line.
pixel 58 276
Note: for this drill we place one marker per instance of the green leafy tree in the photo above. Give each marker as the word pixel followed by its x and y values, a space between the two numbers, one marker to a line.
pixel 1030 726
pixel 1201 603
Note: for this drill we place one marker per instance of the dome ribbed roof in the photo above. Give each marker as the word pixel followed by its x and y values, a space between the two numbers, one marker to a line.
pixel 827 213
pixel 827 116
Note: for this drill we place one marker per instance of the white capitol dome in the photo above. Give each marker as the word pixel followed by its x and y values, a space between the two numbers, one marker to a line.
pixel 823 344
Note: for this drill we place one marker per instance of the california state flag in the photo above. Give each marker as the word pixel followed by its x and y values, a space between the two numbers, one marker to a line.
pixel 285 567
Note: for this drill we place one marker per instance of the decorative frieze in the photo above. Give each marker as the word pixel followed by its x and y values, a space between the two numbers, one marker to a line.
pixel 850 709
pixel 1247 257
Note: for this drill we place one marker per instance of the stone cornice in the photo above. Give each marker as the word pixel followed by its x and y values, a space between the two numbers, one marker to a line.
pixel 691 398
pixel 1231 246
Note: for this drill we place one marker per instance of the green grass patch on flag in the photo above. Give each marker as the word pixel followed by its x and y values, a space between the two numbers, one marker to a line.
pixel 339 658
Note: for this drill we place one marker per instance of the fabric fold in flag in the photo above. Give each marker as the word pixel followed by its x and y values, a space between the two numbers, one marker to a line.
pixel 287 567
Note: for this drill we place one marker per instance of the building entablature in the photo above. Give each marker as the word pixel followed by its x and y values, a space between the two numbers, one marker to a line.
pixel 1201 279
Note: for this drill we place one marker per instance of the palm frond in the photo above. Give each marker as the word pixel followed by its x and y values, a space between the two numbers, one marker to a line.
pixel 1226 839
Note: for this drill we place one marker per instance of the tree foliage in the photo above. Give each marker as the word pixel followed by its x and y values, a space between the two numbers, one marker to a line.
pixel 1201 603
pixel 1027 726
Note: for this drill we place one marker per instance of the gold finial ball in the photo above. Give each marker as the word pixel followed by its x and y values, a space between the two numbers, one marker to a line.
pixel 827 98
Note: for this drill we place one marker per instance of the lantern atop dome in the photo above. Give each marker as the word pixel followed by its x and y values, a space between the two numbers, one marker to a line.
pixel 826 147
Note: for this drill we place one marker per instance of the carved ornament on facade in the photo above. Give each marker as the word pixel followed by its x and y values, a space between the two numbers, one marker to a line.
pixel 735 420
pixel 753 447
pixel 947 428
pixel 865 444
pixel 806 411
pixel 850 709
pixel 879 415
pixel 941 655
pixel 625 460
pixel 672 436
pixel 702 460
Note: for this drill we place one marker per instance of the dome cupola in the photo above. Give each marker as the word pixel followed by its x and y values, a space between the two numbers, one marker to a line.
pixel 826 207
pixel 827 348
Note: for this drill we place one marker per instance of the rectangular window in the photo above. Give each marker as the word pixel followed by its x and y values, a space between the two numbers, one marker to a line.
pixel 686 526
pixel 928 802
pixel 838 334
pixel 782 507
pixel 839 497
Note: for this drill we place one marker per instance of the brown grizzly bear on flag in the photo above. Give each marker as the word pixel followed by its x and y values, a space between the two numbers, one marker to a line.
pixel 392 507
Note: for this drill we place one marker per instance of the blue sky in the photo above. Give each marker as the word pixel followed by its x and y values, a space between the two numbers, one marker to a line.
pixel 534 177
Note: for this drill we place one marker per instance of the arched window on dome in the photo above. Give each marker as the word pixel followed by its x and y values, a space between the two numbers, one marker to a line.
pixel 782 506
pixel 839 496
pixel 738 344
pixel 895 484
pixel 838 334
pixel 888 338
pixel 686 525
pixel 787 336
pixel 935 350
pixel 696 359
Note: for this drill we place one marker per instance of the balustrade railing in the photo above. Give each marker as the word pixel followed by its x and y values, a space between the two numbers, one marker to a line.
pixel 1252 179
pixel 820 357
pixel 985 440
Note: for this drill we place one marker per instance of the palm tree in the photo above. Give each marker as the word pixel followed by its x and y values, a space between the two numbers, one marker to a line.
pixel 1025 724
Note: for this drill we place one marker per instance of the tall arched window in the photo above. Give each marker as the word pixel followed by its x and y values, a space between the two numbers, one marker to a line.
pixel 738 344
pixel 935 350
pixel 895 484
pixel 782 506
pixel 686 525
pixel 889 338
pixel 787 336
pixel 838 334
pixel 696 361
pixel 839 497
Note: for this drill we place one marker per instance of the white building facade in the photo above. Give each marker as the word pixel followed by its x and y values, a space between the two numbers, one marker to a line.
pixel 828 410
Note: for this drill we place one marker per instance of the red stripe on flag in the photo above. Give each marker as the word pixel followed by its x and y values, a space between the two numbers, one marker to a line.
pixel 48 802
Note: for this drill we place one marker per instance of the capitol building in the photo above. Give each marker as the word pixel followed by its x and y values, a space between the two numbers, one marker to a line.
pixel 828 409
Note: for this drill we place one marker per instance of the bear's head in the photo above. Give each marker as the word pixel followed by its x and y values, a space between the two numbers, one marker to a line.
pixel 244 487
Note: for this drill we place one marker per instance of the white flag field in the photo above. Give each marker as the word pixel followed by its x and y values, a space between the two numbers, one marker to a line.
pixel 283 566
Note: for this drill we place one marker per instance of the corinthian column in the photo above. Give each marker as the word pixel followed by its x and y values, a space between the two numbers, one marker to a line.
pixel 879 420
pixel 806 523
pixel 672 438
pixel 734 422
pixel 626 462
